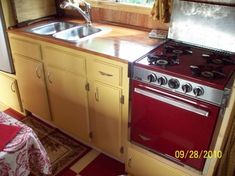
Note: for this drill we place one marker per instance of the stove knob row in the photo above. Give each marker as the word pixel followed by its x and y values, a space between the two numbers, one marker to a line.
pixel 162 80
pixel 174 83
pixel 152 77
pixel 187 88
pixel 198 91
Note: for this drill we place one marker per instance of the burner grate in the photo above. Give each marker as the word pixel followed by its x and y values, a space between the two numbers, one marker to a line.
pixel 208 71
pixel 163 60
pixel 218 59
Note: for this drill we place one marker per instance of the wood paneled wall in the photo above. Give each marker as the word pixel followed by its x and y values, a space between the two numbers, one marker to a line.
pixel 8 13
pixel 131 19
pixel 33 9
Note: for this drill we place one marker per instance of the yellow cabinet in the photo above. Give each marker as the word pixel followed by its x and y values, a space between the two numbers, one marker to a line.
pixel 28 63
pixel 32 87
pixel 9 94
pixel 25 47
pixel 107 118
pixel 68 101
pixel 107 108
pixel 67 91
pixel 140 164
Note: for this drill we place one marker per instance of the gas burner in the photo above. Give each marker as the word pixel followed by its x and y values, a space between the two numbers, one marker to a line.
pixel 218 59
pixel 163 60
pixel 207 74
pixel 176 51
pixel 207 71
pixel 177 48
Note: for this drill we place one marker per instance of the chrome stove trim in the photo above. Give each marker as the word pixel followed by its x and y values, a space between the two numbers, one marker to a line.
pixel 211 95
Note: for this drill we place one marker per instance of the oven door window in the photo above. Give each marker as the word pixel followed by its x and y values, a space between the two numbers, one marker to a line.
pixel 166 125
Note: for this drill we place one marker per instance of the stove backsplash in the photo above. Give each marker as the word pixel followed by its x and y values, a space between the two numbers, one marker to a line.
pixel 205 25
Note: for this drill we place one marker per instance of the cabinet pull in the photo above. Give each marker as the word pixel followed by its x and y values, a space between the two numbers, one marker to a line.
pixel 12 87
pixel 49 77
pixel 129 162
pixel 37 72
pixel 97 94
pixel 105 74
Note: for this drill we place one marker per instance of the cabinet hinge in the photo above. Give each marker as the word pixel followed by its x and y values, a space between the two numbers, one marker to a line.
pixel 91 135
pixel 122 150
pixel 87 87
pixel 122 99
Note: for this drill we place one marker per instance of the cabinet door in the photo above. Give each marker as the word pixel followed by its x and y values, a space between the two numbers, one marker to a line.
pixel 107 118
pixel 32 86
pixel 9 94
pixel 68 101
pixel 140 164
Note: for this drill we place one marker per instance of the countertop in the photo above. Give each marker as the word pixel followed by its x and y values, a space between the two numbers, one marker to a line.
pixel 117 43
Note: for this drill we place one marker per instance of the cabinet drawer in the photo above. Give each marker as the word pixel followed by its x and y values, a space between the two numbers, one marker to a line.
pixel 108 73
pixel 64 60
pixel 25 48
pixel 140 164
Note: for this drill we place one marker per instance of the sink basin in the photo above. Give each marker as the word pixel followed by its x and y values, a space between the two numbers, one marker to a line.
pixel 52 28
pixel 77 33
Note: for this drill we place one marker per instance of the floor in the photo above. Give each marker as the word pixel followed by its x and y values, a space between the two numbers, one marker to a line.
pixel 92 164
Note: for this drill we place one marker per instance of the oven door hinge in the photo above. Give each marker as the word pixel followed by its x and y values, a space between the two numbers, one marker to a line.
pixel 87 87
pixel 122 150
pixel 122 99
pixel 91 135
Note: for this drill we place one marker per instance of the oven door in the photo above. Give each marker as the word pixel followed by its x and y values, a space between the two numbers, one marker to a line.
pixel 168 124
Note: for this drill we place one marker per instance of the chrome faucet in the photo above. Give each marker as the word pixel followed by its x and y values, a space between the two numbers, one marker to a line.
pixel 68 4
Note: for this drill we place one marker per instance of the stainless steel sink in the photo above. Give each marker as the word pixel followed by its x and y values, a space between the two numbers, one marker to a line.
pixel 52 28
pixel 77 33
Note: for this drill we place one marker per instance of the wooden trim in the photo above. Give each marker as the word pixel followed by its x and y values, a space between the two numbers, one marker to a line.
pixel 140 9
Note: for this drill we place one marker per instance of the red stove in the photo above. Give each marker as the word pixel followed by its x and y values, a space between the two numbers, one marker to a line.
pixel 178 92
pixel 181 88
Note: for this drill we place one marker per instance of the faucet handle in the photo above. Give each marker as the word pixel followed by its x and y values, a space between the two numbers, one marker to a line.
pixel 84 3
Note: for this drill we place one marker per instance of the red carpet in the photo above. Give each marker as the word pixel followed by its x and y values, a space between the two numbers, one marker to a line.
pixel 103 166
pixel 14 114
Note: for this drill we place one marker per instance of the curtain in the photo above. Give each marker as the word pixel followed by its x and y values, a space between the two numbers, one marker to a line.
pixel 226 165
pixel 161 10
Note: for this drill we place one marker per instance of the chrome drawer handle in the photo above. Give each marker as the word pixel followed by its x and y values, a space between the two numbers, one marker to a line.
pixel 105 74
pixel 49 77
pixel 37 72
pixel 12 87
pixel 129 162
pixel 144 138
pixel 171 101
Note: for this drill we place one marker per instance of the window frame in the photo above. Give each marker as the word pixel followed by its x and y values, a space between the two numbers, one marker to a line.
pixel 120 6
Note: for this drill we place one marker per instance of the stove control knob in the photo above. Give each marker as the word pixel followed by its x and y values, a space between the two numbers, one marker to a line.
pixel 198 91
pixel 152 78
pixel 174 83
pixel 162 80
pixel 187 88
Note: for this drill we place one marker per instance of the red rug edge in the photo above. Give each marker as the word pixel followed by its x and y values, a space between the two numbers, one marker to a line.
pixel 14 114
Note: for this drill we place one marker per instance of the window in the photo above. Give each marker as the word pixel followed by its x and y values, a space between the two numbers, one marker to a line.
pixel 139 2
pixel 135 6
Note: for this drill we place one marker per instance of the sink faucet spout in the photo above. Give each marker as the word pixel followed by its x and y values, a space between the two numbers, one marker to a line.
pixel 68 4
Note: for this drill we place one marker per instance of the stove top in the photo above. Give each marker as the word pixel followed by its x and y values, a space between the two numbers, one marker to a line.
pixel 200 65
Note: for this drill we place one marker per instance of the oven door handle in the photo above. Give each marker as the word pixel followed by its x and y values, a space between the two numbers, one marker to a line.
pixel 173 102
